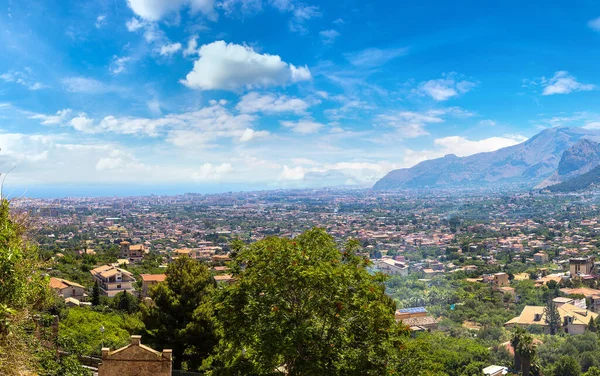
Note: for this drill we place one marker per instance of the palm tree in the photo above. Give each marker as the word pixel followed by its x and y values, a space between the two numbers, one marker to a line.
pixel 526 350
pixel 515 341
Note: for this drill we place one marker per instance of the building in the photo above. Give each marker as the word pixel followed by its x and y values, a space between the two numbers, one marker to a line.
pixel 495 370
pixel 136 359
pixel 592 294
pixel 581 266
pixel 113 280
pixel 392 267
pixel 67 289
pixel 132 252
pixel 540 258
pixel 224 278
pixel 149 280
pixel 416 318
pixel 500 280
pixel 574 320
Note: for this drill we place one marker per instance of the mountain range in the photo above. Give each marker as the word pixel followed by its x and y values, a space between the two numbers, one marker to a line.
pixel 550 157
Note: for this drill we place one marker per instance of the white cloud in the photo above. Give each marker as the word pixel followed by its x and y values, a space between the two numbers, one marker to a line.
pixel 411 124
pixel 207 124
pixel 300 15
pixel 303 126
pixel 271 103
pixel 83 124
pixel 100 21
pixel 85 85
pixel 59 118
pixel 594 24
pixel 282 5
pixel 23 79
pixel 134 24
pixel 487 123
pixel 210 172
pixel 292 173
pixel 132 125
pixel 329 36
pixel 170 49
pixel 563 83
pixel 576 119
pixel 360 173
pixel 374 57
pixel 192 46
pixel 445 88
pixel 243 7
pixel 250 134
pixel 460 147
pixel 349 108
pixel 118 64
pixel 233 66
pixel 118 160
pixel 154 106
pixel 592 125
pixel 300 73
pixel 155 10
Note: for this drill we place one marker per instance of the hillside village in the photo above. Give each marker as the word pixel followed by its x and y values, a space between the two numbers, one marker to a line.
pixel 521 251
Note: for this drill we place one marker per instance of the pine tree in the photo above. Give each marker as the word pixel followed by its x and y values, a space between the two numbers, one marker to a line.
pixel 96 294
pixel 552 317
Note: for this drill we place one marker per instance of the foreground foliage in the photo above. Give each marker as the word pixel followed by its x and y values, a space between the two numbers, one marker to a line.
pixel 305 307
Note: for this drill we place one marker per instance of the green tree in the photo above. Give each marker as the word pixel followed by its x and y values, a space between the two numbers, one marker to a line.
pixel 96 294
pixel 21 285
pixel 304 307
pixel 552 317
pixel 24 294
pixel 179 317
pixel 592 326
pixel 516 338
pixel 567 366
pixel 125 302
pixel 526 350
pixel 593 371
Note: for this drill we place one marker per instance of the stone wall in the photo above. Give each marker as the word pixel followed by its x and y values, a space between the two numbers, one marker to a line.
pixel 135 359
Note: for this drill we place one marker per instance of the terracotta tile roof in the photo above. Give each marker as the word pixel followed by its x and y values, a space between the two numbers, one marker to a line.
pixel 223 277
pixel 59 283
pixel 581 291
pixel 153 277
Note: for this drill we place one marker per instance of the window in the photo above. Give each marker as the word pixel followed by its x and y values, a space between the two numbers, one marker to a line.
pixel 119 286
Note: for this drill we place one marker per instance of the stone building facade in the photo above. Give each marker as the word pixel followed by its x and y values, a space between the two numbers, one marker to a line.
pixel 135 359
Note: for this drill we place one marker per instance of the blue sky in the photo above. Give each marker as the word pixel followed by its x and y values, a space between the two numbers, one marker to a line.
pixel 212 95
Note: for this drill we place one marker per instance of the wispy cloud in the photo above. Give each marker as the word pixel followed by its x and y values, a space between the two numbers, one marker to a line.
pixel 374 57
pixel 22 78
pixel 329 36
pixel 451 85
pixel 594 24
pixel 118 64
pixel 100 21
pixel 411 124
pixel 563 83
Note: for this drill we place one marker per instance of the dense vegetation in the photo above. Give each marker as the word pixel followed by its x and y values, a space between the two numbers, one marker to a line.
pixel 578 183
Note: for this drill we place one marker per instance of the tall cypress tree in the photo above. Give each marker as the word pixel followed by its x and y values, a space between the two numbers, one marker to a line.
pixel 552 317
pixel 96 294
